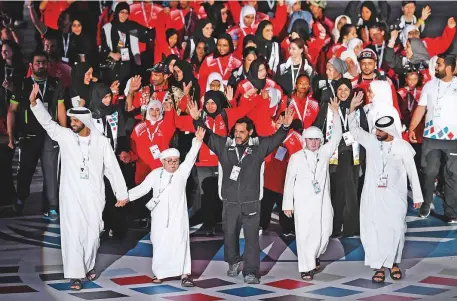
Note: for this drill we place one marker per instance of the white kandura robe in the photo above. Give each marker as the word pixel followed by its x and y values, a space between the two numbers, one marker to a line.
pixel 383 210
pixel 169 219
pixel 313 213
pixel 81 201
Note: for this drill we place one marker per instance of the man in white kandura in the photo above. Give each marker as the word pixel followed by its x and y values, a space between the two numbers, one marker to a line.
pixel 86 157
pixel 307 194
pixel 169 217
pixel 384 202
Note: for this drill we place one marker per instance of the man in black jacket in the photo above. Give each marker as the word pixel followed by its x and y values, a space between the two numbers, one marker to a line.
pixel 241 163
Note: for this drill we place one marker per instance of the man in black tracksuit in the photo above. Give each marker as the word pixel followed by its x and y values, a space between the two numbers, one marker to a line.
pixel 241 187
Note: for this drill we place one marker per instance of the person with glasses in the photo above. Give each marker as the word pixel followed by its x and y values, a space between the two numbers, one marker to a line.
pixel 169 217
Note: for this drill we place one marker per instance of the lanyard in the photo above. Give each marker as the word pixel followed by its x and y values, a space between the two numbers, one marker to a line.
pixel 123 37
pixel 66 44
pixel 160 182
pixel 88 150
pixel 331 87
pixel 294 77
pixel 381 56
pixel 345 119
pixel 186 27
pixel 298 112
pixel 146 20
pixel 244 154
pixel 315 167
pixel 151 137
pixel 287 138
pixel 242 30
pixel 411 101
pixel 223 73
pixel 384 159
pixel 42 93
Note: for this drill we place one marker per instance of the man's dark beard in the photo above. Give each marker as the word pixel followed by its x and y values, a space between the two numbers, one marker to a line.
pixel 383 138
pixel 439 75
pixel 40 73
pixel 79 129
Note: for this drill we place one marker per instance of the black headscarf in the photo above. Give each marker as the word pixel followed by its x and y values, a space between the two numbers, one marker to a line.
pixel 77 81
pixel 219 98
pixel 253 75
pixel 227 37
pixel 249 38
pixel 98 108
pixel 344 81
pixel 210 45
pixel 169 33
pixel 264 46
pixel 374 13
pixel 122 27
pixel 301 27
pixel 188 76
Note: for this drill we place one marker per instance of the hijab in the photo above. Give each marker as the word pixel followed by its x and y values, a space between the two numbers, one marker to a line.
pixel 210 45
pixel 264 46
pixel 245 11
pixel 77 81
pixel 219 98
pixel 154 104
pixel 253 75
pixel 249 38
pixel 188 76
pixel 98 108
pixel 344 81
pixel 212 77
pixel 301 27
pixel 169 33
pixel 335 32
pixel 122 27
pixel 227 37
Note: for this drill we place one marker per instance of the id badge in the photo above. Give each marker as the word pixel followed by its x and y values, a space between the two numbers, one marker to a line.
pixel 65 59
pixel 75 101
pixel 316 187
pixel 281 153
pixel 235 173
pixel 125 56
pixel 152 203
pixel 348 138
pixel 155 151
pixel 84 172
pixel 382 182
pixel 437 112
pixel 46 105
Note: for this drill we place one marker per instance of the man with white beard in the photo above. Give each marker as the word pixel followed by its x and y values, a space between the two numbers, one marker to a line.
pixel 307 194
pixel 384 201
pixel 86 157
pixel 169 218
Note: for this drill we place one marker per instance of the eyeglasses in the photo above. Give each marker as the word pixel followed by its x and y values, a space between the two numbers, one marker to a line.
pixel 172 161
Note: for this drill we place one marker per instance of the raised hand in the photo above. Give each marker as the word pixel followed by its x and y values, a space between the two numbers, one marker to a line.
pixel 187 88
pixel 135 84
pixel 200 134
pixel 229 93
pixel 193 110
pixel 426 12
pixel 33 94
pixel 451 22
pixel 115 87
pixel 289 117
pixel 334 104
pixel 167 106
pixel 357 101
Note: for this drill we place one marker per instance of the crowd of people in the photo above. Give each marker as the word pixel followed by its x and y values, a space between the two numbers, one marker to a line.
pixel 200 112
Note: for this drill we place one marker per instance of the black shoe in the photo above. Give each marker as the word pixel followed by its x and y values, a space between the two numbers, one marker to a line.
pixel 205 231
pixel 424 211
pixel 18 207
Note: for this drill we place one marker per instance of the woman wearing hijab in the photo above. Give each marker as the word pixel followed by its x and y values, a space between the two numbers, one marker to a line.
pixel 81 85
pixel 325 89
pixel 300 28
pixel 197 57
pixel 267 48
pixel 108 120
pixel 345 162
pixel 223 61
pixel 348 31
pixel 249 55
pixel 214 83
pixel 203 33
pixel 119 47
pixel 295 65
pixel 265 96
pixel 166 44
pixel 85 48
pixel 340 21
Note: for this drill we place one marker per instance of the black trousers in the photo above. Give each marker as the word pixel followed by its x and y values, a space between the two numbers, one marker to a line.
pixel 211 205
pixel 270 198
pixel 344 186
pixel 235 216
pixel 433 156
pixel 115 218
pixel 7 190
pixel 32 149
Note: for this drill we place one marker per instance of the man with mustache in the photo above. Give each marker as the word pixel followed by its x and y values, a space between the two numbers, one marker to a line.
pixel 33 141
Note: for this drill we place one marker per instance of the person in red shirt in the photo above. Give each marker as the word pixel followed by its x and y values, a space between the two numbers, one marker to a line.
pixel 367 60
pixel 166 43
pixel 223 61
pixel 266 97
pixel 275 176
pixel 50 12
pixel 138 98
pixel 348 31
